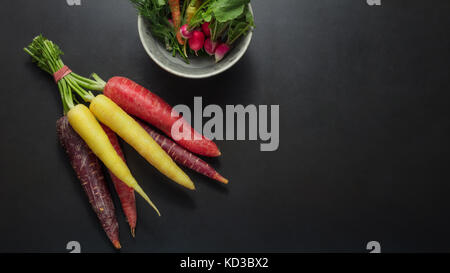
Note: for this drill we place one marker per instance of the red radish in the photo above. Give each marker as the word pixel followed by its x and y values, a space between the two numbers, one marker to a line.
pixel 89 172
pixel 125 193
pixel 210 46
pixel 140 102
pixel 182 156
pixel 221 51
pixel 197 40
pixel 185 33
pixel 206 29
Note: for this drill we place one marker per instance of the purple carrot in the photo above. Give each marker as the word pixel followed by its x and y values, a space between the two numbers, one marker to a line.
pixel 183 156
pixel 89 172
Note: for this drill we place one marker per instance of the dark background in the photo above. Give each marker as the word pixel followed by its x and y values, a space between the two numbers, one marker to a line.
pixel 364 130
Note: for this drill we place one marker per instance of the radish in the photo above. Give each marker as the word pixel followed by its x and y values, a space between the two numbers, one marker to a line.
pixel 185 33
pixel 206 29
pixel 197 41
pixel 221 51
pixel 210 46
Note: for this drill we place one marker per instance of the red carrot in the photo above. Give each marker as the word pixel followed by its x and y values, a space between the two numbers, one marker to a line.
pixel 176 17
pixel 125 193
pixel 140 102
pixel 182 156
pixel 89 172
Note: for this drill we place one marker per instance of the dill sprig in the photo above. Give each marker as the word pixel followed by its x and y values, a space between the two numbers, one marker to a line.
pixel 157 14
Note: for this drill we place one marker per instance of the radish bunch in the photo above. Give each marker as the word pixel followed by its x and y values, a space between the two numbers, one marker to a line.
pixel 201 38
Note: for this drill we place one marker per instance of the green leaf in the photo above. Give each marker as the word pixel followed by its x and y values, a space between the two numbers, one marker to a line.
pixel 237 30
pixel 161 2
pixel 240 26
pixel 207 15
pixel 227 10
pixel 249 18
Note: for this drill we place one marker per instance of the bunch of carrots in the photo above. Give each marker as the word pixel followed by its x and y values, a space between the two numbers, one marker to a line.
pixel 88 135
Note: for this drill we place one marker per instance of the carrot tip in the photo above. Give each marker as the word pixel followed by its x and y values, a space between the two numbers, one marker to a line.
pixel 215 153
pixel 133 232
pixel 116 244
pixel 220 178
pixel 223 180
pixel 179 38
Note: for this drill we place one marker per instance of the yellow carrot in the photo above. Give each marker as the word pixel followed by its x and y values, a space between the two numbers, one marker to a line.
pixel 192 9
pixel 85 124
pixel 127 128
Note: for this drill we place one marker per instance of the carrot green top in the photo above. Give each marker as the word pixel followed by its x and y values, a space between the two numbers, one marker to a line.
pixel 47 56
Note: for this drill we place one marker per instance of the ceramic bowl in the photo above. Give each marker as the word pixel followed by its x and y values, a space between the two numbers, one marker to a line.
pixel 199 66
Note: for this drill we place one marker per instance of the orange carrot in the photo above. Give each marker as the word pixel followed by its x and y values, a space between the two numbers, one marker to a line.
pixel 176 18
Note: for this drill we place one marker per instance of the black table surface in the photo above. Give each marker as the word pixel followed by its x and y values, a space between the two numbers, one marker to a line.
pixel 364 132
